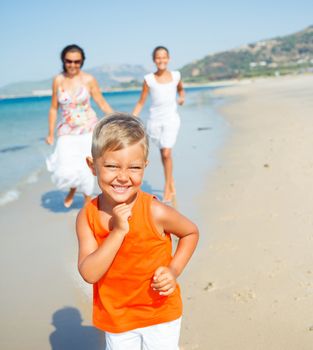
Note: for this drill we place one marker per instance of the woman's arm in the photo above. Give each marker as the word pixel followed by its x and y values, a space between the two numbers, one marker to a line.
pixel 142 99
pixel 53 112
pixel 96 94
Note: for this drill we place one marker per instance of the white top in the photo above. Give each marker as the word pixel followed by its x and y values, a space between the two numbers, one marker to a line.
pixel 163 97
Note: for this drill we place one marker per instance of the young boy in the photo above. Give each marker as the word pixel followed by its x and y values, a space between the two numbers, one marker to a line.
pixel 125 244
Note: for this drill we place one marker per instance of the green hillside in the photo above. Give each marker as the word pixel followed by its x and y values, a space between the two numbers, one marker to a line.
pixel 278 56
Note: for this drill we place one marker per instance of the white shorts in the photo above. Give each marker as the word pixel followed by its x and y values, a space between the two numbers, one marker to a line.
pixel 163 336
pixel 163 133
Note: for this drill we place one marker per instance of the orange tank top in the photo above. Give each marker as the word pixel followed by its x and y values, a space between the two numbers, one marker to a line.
pixel 123 298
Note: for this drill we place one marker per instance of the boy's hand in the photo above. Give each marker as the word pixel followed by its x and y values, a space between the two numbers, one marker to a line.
pixel 164 281
pixel 120 215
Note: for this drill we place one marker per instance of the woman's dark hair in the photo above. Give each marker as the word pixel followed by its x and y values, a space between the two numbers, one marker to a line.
pixel 157 49
pixel 72 48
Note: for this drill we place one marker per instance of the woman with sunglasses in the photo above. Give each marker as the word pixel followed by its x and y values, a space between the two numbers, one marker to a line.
pixel 71 93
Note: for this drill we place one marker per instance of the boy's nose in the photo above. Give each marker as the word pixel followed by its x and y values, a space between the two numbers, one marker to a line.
pixel 122 175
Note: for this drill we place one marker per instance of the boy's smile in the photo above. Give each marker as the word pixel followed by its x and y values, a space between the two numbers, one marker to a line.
pixel 120 173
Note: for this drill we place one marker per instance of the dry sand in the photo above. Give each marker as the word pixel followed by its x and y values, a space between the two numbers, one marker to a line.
pixel 251 282
pixel 249 285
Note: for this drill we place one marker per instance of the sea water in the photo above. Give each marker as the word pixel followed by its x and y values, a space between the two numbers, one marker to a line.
pixel 24 126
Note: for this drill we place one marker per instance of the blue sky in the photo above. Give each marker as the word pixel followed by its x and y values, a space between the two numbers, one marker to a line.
pixel 33 32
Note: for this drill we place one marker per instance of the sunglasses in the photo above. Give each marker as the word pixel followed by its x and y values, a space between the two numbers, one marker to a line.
pixel 66 61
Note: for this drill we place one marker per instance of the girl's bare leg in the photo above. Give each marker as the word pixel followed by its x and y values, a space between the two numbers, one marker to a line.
pixel 68 201
pixel 169 188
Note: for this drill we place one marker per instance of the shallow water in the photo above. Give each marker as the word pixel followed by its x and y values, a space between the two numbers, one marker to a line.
pixel 23 127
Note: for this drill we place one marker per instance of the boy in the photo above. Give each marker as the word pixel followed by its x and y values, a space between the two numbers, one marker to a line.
pixel 125 244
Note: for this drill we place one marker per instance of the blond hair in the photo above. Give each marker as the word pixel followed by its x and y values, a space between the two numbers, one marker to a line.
pixel 118 131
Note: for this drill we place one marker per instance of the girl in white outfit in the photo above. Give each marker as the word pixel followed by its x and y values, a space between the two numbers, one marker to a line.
pixel 164 122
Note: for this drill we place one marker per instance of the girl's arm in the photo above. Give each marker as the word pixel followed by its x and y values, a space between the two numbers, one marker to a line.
pixel 53 112
pixel 181 93
pixel 142 99
pixel 94 260
pixel 171 221
pixel 96 94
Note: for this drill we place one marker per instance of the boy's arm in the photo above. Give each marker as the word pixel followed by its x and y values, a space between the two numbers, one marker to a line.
pixel 181 93
pixel 172 221
pixel 94 260
pixel 142 99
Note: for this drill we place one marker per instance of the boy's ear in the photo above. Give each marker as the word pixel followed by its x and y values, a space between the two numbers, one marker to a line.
pixel 91 165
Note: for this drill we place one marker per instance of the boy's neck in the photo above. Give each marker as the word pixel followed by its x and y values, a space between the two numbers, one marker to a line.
pixel 106 204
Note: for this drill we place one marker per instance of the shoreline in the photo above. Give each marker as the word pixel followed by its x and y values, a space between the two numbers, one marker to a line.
pixel 187 86
pixel 210 84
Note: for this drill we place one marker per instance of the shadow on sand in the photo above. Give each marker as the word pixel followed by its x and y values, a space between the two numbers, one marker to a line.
pixel 146 187
pixel 71 334
pixel 53 200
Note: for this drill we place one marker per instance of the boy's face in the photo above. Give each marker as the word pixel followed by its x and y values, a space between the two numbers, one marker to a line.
pixel 120 173
pixel 161 59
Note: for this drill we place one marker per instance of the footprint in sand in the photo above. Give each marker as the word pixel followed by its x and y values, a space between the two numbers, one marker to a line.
pixel 245 295
pixel 209 286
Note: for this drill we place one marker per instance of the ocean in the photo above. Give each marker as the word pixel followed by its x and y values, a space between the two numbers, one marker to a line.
pixel 24 126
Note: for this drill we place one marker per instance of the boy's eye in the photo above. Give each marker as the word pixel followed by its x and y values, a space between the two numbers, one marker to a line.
pixel 135 168
pixel 111 166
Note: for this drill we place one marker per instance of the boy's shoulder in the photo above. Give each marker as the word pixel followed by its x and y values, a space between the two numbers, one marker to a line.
pixel 158 209
pixel 92 206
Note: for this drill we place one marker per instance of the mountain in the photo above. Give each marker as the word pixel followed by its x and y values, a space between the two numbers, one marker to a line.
pixel 108 76
pixel 281 55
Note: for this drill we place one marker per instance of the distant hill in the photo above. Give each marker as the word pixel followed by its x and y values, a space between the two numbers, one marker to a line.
pixel 108 76
pixel 281 55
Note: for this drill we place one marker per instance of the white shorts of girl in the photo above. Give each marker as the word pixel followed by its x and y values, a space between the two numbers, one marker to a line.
pixel 163 132
pixel 163 336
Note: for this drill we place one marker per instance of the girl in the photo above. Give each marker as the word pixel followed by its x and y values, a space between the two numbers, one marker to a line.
pixel 164 122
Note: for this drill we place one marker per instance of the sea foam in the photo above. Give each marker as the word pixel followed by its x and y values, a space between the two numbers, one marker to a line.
pixel 9 196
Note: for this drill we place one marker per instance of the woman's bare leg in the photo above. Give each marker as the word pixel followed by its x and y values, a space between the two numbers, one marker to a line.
pixel 68 201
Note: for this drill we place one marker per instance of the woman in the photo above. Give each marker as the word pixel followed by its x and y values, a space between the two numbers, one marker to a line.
pixel 71 92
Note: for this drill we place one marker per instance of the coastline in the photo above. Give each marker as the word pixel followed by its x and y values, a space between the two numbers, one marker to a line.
pixel 211 84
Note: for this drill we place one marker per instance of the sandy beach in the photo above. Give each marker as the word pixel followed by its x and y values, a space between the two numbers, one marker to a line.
pixel 250 283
